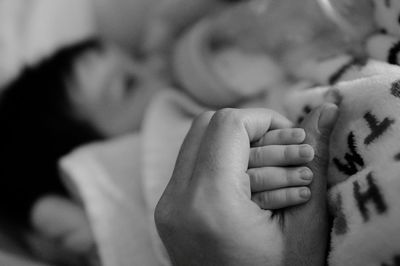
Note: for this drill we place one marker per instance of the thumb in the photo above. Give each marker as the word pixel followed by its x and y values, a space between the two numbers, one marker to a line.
pixel 306 226
pixel 318 126
pixel 327 117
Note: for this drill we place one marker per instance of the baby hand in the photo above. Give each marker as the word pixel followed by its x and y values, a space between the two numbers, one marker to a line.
pixel 278 177
pixel 59 219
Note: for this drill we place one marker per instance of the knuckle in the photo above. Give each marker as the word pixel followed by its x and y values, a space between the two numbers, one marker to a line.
pixel 267 198
pixel 290 195
pixel 280 195
pixel 263 199
pixel 227 116
pixel 160 216
pixel 293 175
pixel 276 197
pixel 289 176
pixel 287 152
pixel 203 119
pixel 164 218
pixel 287 194
pixel 252 176
pixel 261 180
pixel 257 179
pixel 256 156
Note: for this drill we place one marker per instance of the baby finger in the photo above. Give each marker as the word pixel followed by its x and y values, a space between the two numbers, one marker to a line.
pixel 270 178
pixel 284 136
pixel 282 198
pixel 280 155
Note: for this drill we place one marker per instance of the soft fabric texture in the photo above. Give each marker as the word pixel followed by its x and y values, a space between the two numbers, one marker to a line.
pixel 106 177
pixel 363 157
pixel 32 29
pixel 120 182
pixel 363 166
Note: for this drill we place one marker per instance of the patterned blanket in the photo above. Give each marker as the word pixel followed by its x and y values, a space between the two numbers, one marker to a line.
pixel 364 159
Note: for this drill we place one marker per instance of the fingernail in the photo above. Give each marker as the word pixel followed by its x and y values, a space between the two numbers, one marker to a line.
pixel 305 193
pixel 306 151
pixel 306 174
pixel 328 116
pixel 299 134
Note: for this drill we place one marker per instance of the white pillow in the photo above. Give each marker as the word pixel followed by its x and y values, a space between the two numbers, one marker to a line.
pixel 31 29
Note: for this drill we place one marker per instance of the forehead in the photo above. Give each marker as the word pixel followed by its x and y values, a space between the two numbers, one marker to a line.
pixel 110 91
pixel 95 70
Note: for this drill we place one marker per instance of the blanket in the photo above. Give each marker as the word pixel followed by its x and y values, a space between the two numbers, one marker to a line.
pixel 363 164
pixel 120 182
pixel 106 178
pixel 364 158
pixel 31 30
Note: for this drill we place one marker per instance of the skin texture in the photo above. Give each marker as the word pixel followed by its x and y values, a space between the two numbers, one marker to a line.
pixel 206 215
pixel 281 180
pixel 306 226
pixel 110 91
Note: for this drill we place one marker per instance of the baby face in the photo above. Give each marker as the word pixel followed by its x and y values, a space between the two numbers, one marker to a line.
pixel 110 91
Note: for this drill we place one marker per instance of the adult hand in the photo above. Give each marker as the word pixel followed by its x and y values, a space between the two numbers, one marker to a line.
pixel 206 215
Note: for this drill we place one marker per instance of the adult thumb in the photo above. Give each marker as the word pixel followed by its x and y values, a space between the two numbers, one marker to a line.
pixel 318 126
pixel 306 227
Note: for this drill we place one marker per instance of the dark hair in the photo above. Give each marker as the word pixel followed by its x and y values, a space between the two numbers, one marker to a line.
pixel 37 128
